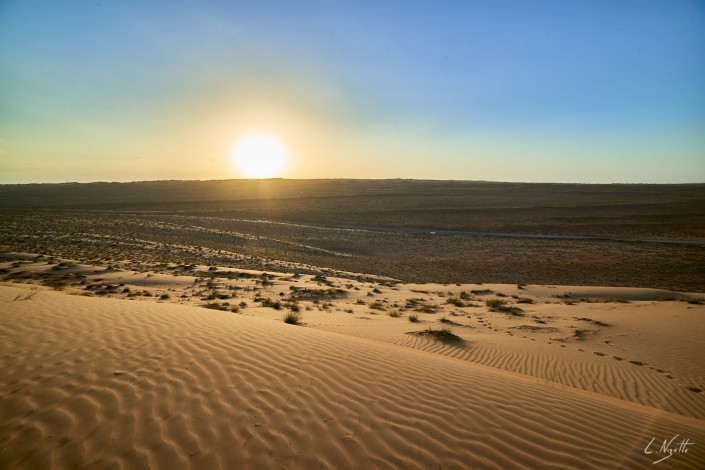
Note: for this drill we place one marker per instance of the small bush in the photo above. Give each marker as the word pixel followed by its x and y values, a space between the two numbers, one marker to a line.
pixel 427 309
pixel 413 318
pixel 394 314
pixel 276 305
pixel 482 291
pixel 55 284
pixel 496 305
pixel 444 334
pixel 215 306
pixel 292 318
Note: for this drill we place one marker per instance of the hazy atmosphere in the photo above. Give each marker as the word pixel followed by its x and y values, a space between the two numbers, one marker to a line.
pixel 508 91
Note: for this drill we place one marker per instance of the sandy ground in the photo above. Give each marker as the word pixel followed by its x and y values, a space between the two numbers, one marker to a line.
pixel 184 366
pixel 150 237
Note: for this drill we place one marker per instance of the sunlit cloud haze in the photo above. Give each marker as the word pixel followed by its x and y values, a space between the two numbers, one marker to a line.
pixel 600 91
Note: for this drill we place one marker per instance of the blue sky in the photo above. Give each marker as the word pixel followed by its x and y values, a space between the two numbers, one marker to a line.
pixel 565 91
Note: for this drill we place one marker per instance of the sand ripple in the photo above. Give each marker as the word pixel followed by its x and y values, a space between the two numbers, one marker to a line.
pixel 105 383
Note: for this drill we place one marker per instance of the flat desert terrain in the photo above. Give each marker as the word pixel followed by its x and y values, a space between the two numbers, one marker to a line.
pixel 416 231
pixel 352 324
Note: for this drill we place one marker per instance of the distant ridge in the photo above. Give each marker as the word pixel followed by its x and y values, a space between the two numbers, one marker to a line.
pixel 180 191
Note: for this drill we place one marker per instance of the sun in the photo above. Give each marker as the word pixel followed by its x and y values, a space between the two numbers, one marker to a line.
pixel 260 155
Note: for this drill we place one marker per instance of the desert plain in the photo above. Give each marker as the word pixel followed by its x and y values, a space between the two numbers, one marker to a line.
pixel 352 324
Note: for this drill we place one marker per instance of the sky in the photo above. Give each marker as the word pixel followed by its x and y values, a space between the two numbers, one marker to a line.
pixel 591 91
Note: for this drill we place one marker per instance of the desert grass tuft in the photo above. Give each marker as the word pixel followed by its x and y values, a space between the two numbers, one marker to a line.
pixel 55 284
pixel 26 295
pixel 444 335
pixel 292 318
pixel 427 309
pixel 276 305
pixel 455 301
pixel 500 305
pixel 215 306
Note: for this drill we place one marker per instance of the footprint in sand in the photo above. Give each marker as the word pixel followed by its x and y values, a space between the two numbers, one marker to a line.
pixel 598 353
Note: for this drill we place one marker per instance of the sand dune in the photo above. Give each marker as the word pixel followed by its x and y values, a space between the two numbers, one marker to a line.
pixel 110 383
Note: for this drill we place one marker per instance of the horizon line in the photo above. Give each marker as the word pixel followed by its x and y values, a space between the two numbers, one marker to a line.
pixel 350 179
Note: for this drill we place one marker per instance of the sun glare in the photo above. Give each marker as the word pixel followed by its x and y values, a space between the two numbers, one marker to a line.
pixel 260 155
